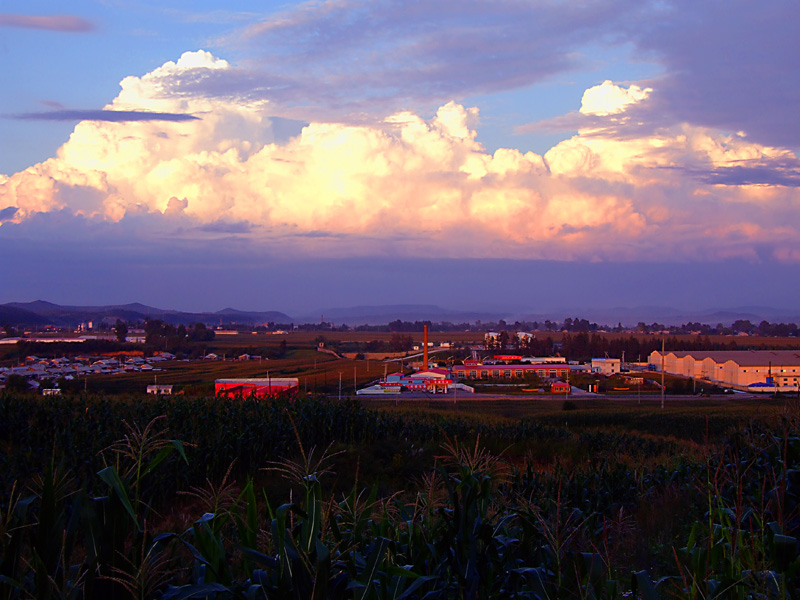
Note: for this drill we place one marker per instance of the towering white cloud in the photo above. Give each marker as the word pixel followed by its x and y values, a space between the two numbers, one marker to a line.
pixel 408 183
pixel 609 99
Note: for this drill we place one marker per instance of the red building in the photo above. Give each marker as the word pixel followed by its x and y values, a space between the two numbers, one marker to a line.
pixel 559 387
pixel 260 387
pixel 436 381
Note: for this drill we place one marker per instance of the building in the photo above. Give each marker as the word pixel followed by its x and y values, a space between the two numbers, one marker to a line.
pixel 259 387
pixel 471 370
pixel 160 390
pixel 542 360
pixel 508 358
pixel 606 366
pixel 434 381
pixel 768 370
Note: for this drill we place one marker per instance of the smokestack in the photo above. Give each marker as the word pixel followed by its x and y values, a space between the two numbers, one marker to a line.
pixel 425 351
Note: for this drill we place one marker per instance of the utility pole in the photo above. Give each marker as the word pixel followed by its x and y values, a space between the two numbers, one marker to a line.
pixel 662 373
pixel 340 386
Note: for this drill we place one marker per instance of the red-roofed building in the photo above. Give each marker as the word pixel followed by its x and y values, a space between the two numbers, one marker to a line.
pixel 260 387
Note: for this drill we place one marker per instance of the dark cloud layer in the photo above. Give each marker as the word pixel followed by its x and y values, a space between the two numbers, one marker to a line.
pixel 115 116
pixel 210 277
pixel 8 212
pixel 62 23
pixel 356 55
pixel 729 65
pixel 168 261
pixel 780 172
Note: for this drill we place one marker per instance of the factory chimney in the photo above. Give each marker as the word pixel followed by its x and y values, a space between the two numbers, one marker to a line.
pixel 425 350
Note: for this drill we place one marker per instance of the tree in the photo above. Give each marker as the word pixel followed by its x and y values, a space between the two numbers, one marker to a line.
pixel 201 333
pixel 401 343
pixel 502 339
pixel 121 331
pixel 17 383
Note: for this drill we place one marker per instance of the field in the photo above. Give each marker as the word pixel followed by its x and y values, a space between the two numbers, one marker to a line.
pixel 416 499
pixel 108 493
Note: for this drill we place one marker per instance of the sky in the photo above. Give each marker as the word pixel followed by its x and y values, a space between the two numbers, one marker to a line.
pixel 291 156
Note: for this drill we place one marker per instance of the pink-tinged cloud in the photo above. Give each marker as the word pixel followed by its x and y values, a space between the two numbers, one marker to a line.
pixel 62 23
pixel 405 185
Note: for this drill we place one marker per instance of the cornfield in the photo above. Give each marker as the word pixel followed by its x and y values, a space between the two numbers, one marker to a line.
pixel 212 498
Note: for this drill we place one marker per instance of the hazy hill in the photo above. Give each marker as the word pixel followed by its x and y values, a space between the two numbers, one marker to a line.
pixel 11 315
pixel 41 312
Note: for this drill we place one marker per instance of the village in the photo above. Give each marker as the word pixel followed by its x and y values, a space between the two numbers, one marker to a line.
pixel 497 363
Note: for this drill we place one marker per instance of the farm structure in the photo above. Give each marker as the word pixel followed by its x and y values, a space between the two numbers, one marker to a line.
pixel 256 387
pixel 768 370
pixel 433 381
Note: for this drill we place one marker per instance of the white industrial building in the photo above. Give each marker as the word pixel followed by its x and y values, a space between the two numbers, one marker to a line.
pixel 741 369
pixel 606 366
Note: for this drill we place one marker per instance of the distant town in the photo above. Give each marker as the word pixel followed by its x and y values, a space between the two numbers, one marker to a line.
pixel 573 357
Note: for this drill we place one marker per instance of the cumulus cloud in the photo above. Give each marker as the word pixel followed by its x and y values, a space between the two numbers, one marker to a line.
pixel 408 185
pixel 609 99
pixel 63 23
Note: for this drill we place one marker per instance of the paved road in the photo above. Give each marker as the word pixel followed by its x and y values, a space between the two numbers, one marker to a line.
pixel 456 397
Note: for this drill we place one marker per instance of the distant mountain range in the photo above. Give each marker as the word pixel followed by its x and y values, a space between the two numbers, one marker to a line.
pixel 41 313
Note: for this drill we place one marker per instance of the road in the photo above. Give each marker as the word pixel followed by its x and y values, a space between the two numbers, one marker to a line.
pixel 585 396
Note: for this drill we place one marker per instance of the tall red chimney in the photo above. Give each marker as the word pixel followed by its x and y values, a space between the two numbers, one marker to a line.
pixel 425 351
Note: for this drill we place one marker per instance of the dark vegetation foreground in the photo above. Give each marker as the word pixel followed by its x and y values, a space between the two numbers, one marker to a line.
pixel 319 499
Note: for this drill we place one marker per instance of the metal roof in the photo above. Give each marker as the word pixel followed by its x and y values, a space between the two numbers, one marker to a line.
pixel 744 358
